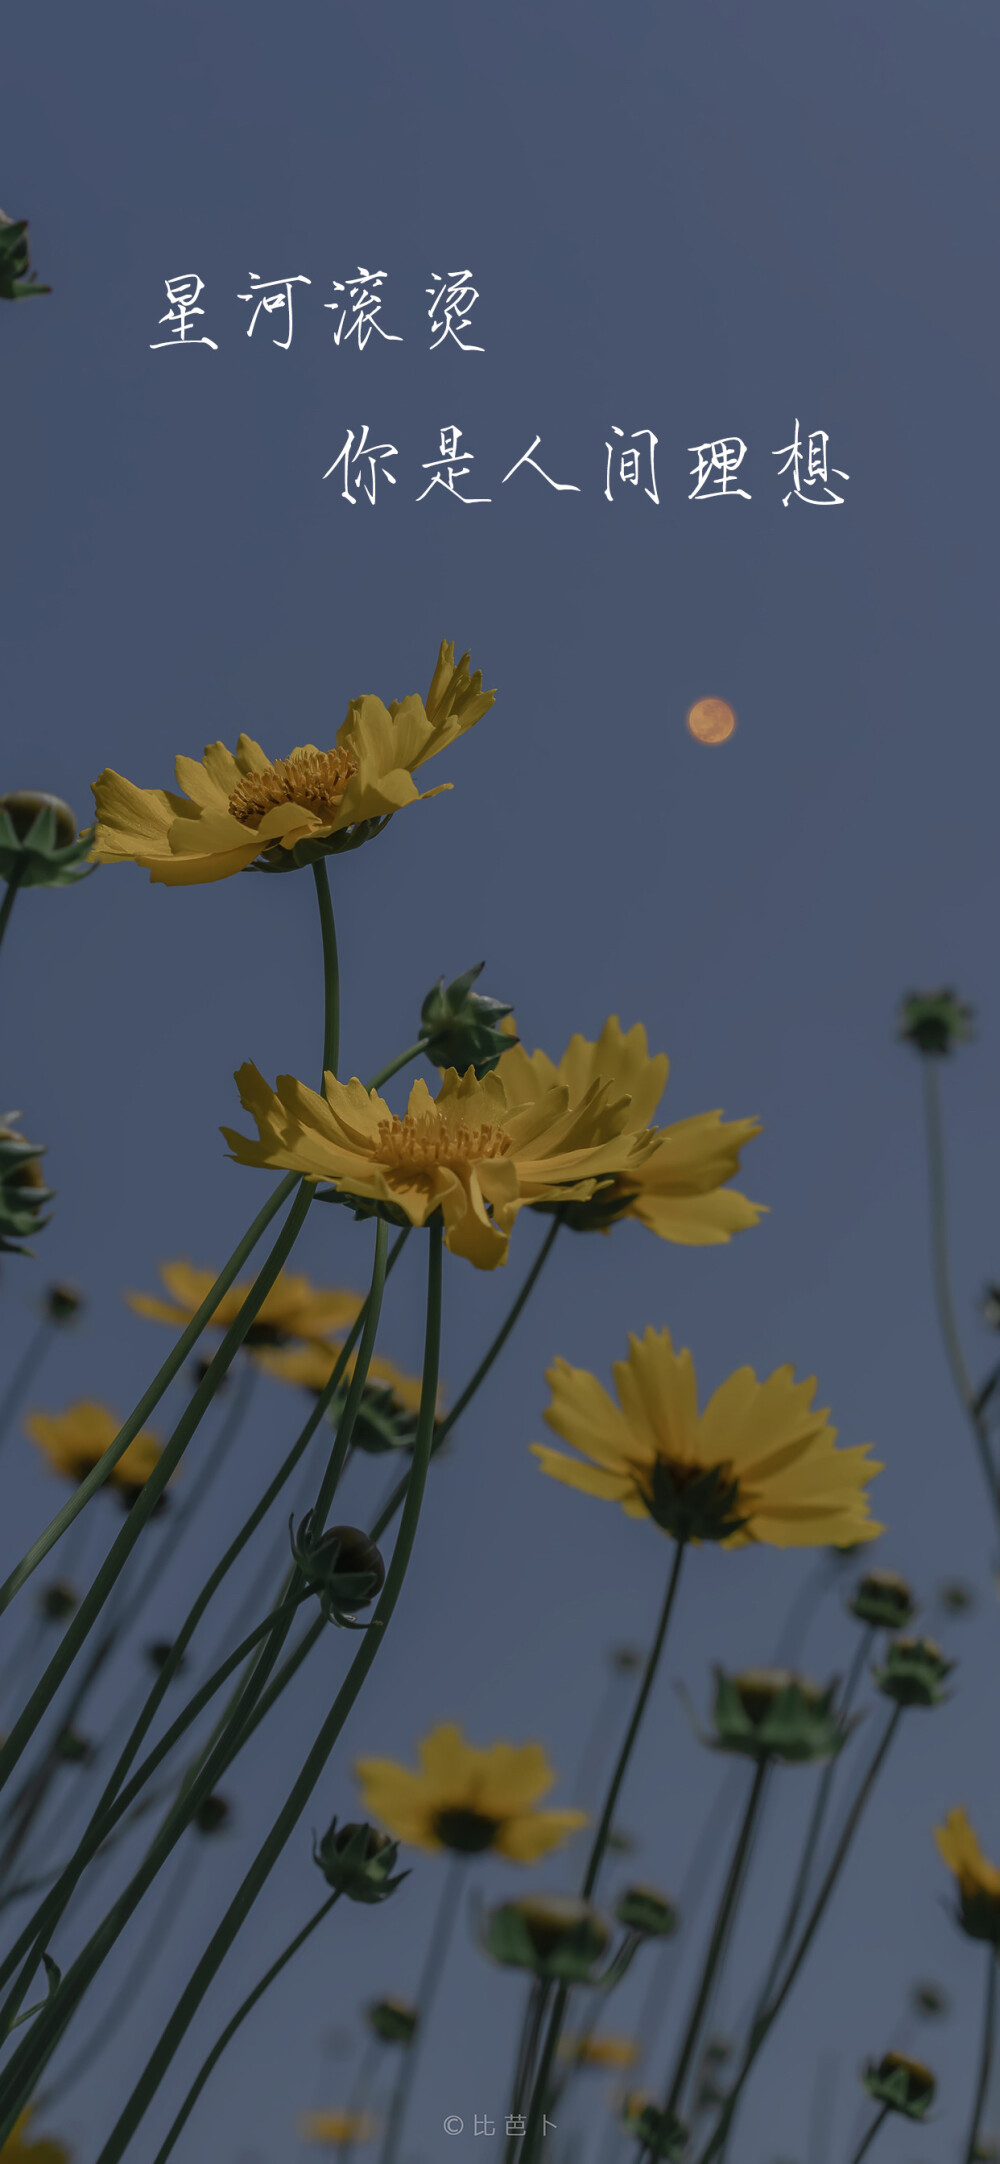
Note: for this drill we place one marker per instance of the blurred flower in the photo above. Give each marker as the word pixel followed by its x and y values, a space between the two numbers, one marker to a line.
pixel 904 2084
pixel 39 844
pixel 390 1399
pixel 883 1599
pixel 73 1441
pixel 914 1671
pixel 23 1193
pixel 292 1310
pixel 460 1027
pixel 956 1598
pixel 465 1152
pixel 357 1861
pixel 20 2149
pixel 288 812
pixel 467 1799
pixel 72 1748
pixel 342 1565
pixel 213 1815
pixel 556 1936
pixel 393 2021
pixel 62 1303
pixel 58 1601
pixel 674 1187
pixel 978 1881
pixel 645 1910
pixel 929 2001
pixel 659 2132
pixel 759 1464
pixel 769 1713
pixel 602 2052
pixel 935 1022
pixel 625 1660
pixel 337 2129
pixel 16 284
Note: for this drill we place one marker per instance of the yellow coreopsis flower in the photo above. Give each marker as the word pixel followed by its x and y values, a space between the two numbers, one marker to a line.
pixel 292 1310
pixel 471 1153
pixel 677 1187
pixel 73 1441
pixel 310 1366
pixel 978 1880
pixel 469 1800
pixel 759 1464
pixel 241 805
pixel 337 2129
pixel 18 2149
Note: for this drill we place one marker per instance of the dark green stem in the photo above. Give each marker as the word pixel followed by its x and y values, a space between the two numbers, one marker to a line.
pixel 402 1059
pixel 9 898
pixel 209 2064
pixel 942 1279
pixel 427 1988
pixel 868 2138
pixel 287 1819
pixel 25 1372
pixel 720 1934
pixel 985 2056
pixel 331 970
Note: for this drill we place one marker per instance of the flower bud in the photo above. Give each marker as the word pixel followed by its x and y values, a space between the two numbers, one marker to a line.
pixel 659 2132
pixel 58 1601
pixel 556 1936
pixel 342 1565
pixel 904 2084
pixel 72 1748
pixel 213 1815
pixel 16 281
pixel 929 2001
pixel 39 844
pixel 935 1022
pixel 459 1027
pixel 769 1713
pixel 645 1910
pixel 620 1843
pixel 394 2021
pixel 914 1671
pixel 956 1598
pixel 357 1860
pixel 159 1653
pixel 625 1660
pixel 23 1193
pixel 883 1599
pixel 62 1303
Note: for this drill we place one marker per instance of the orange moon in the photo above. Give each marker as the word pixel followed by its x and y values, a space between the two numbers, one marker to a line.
pixel 711 721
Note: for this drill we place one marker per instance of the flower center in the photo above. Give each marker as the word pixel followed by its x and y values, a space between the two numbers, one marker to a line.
pixel 314 779
pixel 470 1832
pixel 423 1140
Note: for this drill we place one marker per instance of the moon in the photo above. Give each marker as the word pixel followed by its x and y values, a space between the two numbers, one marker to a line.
pixel 711 721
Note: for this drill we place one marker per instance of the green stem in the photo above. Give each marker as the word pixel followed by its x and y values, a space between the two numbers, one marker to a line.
pixel 985 2055
pixel 331 971
pixel 288 1817
pixel 25 1372
pixel 768 2017
pixel 209 2064
pixel 142 1509
pixel 942 1278
pixel 427 1989
pixel 9 898
pixel 402 1059
pixel 867 2139
pixel 720 1934
pixel 173 1363
pixel 387 1514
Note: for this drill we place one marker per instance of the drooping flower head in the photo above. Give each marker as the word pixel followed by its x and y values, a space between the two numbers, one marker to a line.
pixel 467 1799
pixel 293 1311
pixel 472 1153
pixel 978 1881
pixel 73 1441
pixel 759 1464
pixel 676 1188
pixel 242 807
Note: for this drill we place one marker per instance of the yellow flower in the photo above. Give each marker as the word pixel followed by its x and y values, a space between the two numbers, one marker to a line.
pixel 471 1152
pixel 467 1799
pixel 759 1464
pixel 675 1188
pixel 337 2129
pixel 17 2150
pixel 978 1880
pixel 74 1440
pixel 292 1309
pixel 312 1365
pixel 243 805
pixel 601 2051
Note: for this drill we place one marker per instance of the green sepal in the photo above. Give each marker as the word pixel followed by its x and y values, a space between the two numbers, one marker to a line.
pixel 358 1862
pixel 459 1026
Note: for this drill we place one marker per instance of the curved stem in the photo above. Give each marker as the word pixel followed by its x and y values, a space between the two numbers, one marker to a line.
pixel 720 1934
pixel 942 1277
pixel 25 1371
pixel 287 1819
pixel 331 971
pixel 209 2064
pixel 427 1988
pixel 867 2139
pixel 402 1059
pixel 985 2056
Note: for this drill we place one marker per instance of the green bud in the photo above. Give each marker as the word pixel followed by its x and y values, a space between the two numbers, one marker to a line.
pixel 660 2132
pixel 357 1861
pixel 935 1022
pixel 904 2084
pixel 956 1597
pixel 39 844
pixel 769 1713
pixel 929 2001
pixel 16 282
pixel 72 1748
pixel 213 1815
pixel 58 1601
pixel 914 1671
pixel 559 1938
pixel 883 1599
pixel 643 1909
pixel 62 1303
pixel 626 1660
pixel 459 1027
pixel 23 1193
pixel 342 1565
pixel 394 2021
